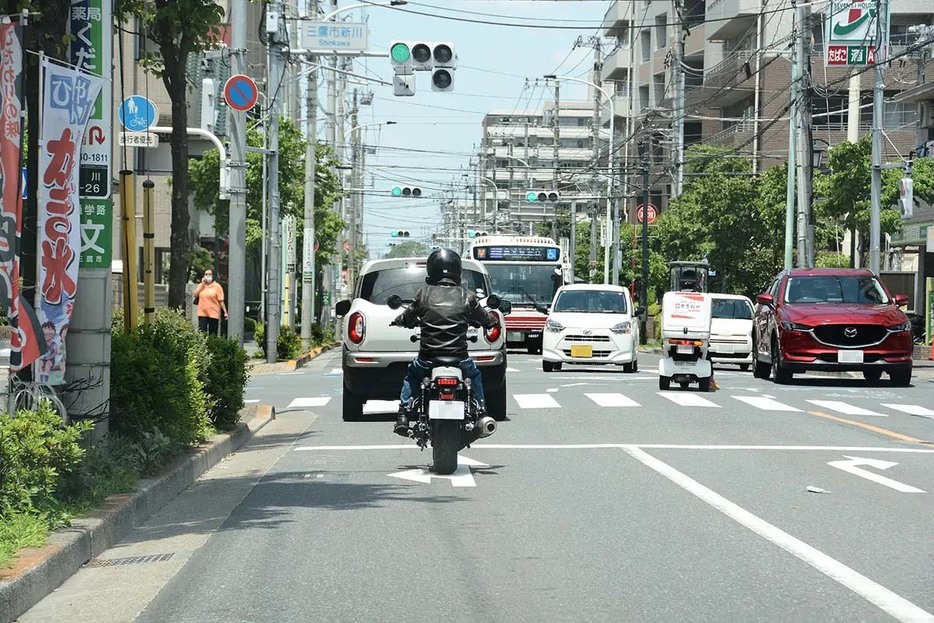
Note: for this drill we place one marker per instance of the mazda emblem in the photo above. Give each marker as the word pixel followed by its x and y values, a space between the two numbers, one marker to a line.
pixel 850 332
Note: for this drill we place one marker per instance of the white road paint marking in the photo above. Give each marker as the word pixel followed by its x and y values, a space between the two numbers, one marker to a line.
pixel 249 402
pixel 686 399
pixel 462 476
pixel 575 384
pixel 512 369
pixel 875 593
pixel 764 403
pixel 911 410
pixel 536 401
pixel 624 446
pixel 845 408
pixel 851 466
pixel 381 406
pixel 613 400
pixel 334 372
pixel 552 390
pixel 316 401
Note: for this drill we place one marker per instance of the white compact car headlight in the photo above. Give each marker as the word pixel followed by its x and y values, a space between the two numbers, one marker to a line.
pixel 623 327
pixel 553 326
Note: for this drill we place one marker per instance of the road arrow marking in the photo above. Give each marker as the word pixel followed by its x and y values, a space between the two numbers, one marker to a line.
pixel 462 476
pixel 852 466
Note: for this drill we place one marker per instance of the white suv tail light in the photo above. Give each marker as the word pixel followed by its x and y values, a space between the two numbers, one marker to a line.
pixel 356 327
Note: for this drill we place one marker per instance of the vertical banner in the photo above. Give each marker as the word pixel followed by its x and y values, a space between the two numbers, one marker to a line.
pixel 69 95
pixel 26 346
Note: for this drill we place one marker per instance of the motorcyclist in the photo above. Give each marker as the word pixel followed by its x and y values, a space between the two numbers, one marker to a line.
pixel 444 310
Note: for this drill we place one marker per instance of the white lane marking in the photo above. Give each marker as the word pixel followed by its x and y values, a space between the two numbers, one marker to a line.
pixel 911 410
pixel 249 402
pixel 316 401
pixel 852 466
pixel 623 446
pixel 536 401
pixel 686 399
pixel 766 404
pixel 552 390
pixel 512 369
pixel 845 408
pixel 875 593
pixel 613 400
pixel 334 372
pixel 381 406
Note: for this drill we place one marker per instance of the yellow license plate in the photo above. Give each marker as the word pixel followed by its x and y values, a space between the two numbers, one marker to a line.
pixel 582 351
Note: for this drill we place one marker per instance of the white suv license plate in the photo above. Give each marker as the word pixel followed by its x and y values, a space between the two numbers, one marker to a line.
pixel 850 356
pixel 446 410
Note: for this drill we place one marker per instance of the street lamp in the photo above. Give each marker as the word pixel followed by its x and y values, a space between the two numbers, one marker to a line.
pixel 361 5
pixel 611 158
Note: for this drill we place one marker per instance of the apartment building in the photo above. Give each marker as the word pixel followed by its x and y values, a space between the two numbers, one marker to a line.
pixel 551 149
pixel 737 77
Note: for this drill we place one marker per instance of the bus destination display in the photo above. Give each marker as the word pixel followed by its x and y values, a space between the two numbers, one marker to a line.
pixel 517 254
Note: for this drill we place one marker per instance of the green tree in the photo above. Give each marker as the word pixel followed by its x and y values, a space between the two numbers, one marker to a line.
pixel 204 173
pixel 179 28
pixel 409 248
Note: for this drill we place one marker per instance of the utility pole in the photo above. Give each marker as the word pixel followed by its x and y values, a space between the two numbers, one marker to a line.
pixel 802 62
pixel 236 258
pixel 677 76
pixel 878 111
pixel 331 136
pixel 645 147
pixel 356 183
pixel 276 64
pixel 595 185
pixel 309 280
pixel 556 121
pixel 792 150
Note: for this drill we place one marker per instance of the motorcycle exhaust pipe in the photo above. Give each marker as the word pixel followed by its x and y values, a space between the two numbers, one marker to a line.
pixel 486 426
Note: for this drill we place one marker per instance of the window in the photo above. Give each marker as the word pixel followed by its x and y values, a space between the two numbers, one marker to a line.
pixel 830 112
pixel 621 87
pixel 591 302
pixel 661 31
pixel 378 286
pixel 736 309
pixel 645 39
pixel 643 97
pixel 658 81
pixel 861 290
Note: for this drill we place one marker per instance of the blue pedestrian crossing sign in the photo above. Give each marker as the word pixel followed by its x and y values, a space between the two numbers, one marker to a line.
pixel 137 113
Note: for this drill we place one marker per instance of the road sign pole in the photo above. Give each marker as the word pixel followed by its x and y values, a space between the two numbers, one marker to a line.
pixel 236 278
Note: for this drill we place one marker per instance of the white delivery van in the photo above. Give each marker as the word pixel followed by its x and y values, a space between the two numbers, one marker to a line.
pixel 685 340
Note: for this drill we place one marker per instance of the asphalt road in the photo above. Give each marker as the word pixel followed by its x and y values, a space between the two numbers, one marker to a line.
pixel 600 499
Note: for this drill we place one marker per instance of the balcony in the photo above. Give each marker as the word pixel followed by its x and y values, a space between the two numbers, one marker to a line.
pixel 617 19
pixel 695 42
pixel 620 105
pixel 729 19
pixel 730 81
pixel 616 65
pixel 736 135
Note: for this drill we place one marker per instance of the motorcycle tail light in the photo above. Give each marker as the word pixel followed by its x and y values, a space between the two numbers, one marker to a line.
pixel 494 332
pixel 356 327
pixel 444 396
pixel 447 382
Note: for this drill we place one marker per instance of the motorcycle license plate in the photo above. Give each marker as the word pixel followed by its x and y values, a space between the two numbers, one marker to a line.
pixel 446 410
pixel 582 351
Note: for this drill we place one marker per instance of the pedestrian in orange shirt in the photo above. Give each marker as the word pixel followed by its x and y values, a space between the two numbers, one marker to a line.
pixel 209 296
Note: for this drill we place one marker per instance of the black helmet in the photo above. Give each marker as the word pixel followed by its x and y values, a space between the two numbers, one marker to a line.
pixel 443 264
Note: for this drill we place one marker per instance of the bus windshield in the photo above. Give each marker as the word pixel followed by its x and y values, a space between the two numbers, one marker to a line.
pixel 525 284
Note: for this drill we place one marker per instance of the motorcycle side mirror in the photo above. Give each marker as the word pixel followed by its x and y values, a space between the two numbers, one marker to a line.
pixel 394 302
pixel 341 308
pixel 493 302
pixel 505 307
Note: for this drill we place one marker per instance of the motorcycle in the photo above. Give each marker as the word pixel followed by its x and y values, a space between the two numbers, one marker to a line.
pixel 444 412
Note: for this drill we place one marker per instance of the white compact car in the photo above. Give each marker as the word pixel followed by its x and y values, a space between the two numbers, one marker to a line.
pixel 591 324
pixel 731 330
pixel 376 355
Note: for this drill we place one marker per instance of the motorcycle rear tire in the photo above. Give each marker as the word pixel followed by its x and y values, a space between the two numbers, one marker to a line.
pixel 445 444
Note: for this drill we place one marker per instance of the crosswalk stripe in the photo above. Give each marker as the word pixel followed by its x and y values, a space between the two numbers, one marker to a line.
pixel 686 399
pixel 612 400
pixel 536 401
pixel 766 404
pixel 911 410
pixel 845 408
pixel 317 401
pixel 381 406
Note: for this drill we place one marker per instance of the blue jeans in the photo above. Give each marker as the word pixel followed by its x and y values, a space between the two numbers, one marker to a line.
pixel 420 368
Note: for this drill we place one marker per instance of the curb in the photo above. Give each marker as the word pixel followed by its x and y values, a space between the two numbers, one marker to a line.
pixel 38 572
pixel 294 364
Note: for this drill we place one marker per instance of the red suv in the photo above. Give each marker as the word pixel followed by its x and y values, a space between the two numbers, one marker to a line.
pixel 838 319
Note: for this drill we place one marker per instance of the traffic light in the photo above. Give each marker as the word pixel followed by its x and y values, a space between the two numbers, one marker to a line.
pixel 399 233
pixel 406 191
pixel 400 55
pixel 421 57
pixel 476 234
pixel 541 196
pixel 443 66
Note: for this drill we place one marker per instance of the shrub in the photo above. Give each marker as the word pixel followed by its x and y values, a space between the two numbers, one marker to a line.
pixel 156 380
pixel 288 344
pixel 225 381
pixel 249 325
pixel 320 335
pixel 259 335
pixel 36 454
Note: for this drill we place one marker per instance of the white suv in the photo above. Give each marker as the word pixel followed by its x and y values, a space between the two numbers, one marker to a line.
pixel 375 356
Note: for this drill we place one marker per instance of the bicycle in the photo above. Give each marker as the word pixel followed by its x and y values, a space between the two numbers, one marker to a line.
pixel 29 396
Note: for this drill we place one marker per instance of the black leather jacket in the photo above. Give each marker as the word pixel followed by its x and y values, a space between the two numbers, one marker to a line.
pixel 444 311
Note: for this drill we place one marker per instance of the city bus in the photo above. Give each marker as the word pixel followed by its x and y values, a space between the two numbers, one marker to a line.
pixel 526 271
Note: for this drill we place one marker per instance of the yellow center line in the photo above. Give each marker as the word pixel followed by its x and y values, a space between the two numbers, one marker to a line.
pixel 870 427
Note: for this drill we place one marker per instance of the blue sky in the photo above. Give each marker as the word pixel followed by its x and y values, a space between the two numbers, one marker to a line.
pixel 493 64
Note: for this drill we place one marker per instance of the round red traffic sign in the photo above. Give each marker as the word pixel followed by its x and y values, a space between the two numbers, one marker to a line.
pixel 653 213
pixel 240 92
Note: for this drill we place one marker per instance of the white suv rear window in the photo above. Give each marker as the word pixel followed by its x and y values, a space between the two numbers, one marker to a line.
pixel 378 286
